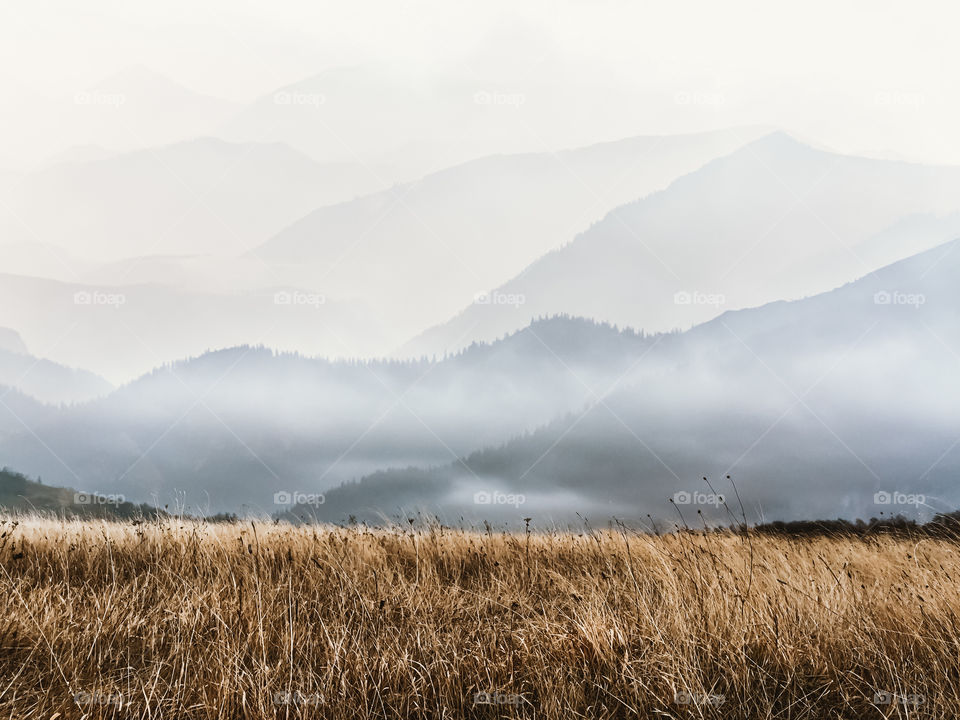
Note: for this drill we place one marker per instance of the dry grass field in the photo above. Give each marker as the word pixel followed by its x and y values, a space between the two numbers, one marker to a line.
pixel 183 619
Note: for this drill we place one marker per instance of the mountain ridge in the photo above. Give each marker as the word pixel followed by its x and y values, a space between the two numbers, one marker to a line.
pixel 767 240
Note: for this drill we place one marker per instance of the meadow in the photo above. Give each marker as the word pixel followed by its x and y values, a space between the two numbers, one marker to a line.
pixel 177 618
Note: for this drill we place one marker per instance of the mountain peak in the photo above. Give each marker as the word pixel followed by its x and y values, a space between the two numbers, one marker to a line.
pixel 10 341
pixel 143 82
pixel 781 143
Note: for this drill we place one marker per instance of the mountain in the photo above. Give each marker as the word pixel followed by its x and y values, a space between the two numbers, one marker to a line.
pixel 20 494
pixel 138 107
pixel 20 413
pixel 812 405
pixel 11 342
pixel 195 197
pixel 455 233
pixel 440 241
pixel 821 407
pixel 775 219
pixel 397 126
pixel 41 379
pixel 400 126
pixel 404 124
pixel 47 381
pixel 233 427
pixel 134 108
pixel 123 331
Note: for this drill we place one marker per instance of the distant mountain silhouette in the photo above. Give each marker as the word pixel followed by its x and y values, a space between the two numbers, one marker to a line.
pixel 388 265
pixel 195 197
pixel 814 405
pixel 47 381
pixel 20 494
pixel 774 220
pixel 123 331
pixel 822 407
pixel 11 342
pixel 438 242
pixel 237 425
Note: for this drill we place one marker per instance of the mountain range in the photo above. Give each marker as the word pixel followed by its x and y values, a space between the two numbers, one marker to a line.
pixel 41 379
pixel 202 196
pixel 814 406
pixel 776 219
pixel 459 232
pixel 134 108
pixel 387 265
pixel 361 298
pixel 821 407
pixel 246 422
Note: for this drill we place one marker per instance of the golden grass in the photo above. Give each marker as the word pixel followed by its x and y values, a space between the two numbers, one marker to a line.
pixel 180 619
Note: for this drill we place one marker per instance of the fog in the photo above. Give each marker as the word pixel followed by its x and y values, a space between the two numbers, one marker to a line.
pixel 813 407
pixel 483 263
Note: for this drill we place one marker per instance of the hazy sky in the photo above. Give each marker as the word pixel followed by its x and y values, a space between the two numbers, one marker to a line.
pixel 870 77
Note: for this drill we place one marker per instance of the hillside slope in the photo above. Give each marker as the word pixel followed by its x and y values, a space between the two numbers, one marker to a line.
pixel 814 406
pixel 774 220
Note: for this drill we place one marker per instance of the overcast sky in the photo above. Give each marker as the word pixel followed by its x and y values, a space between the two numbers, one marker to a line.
pixel 862 77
